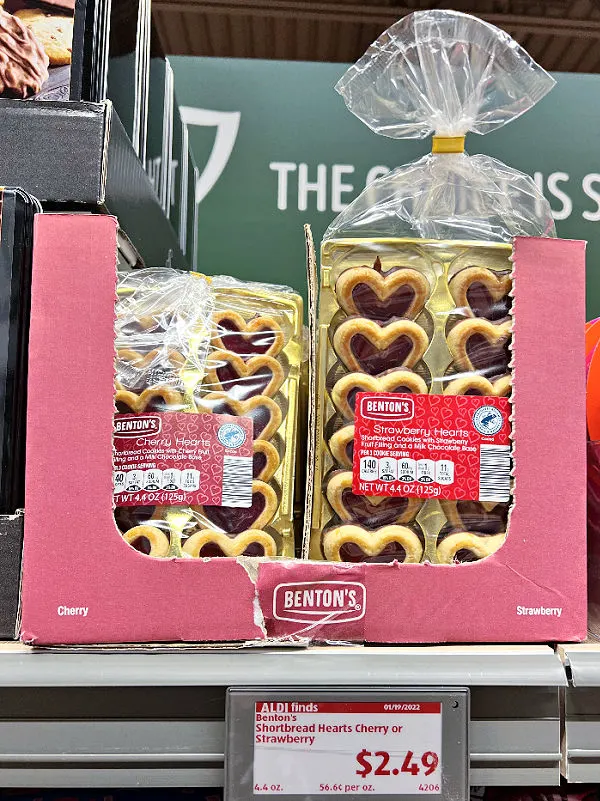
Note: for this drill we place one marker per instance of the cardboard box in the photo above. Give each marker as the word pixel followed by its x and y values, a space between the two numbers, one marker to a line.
pixel 11 546
pixel 95 589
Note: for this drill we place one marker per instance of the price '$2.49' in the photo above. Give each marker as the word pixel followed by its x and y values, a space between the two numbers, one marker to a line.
pixel 378 763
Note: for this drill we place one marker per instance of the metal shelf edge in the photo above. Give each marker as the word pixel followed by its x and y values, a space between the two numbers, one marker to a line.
pixel 535 666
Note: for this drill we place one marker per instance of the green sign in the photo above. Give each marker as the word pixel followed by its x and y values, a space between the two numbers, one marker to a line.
pixel 276 147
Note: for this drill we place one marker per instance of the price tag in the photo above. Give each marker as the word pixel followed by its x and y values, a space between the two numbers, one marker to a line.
pixel 308 744
pixel 360 747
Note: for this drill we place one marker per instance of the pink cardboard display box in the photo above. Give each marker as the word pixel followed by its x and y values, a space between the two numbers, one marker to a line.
pixel 83 584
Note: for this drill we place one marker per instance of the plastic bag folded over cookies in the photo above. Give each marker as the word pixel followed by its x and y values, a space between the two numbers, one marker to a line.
pixel 447 74
pixel 207 374
pixel 416 294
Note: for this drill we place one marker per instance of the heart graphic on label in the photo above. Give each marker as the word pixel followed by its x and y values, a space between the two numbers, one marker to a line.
pixel 481 346
pixel 387 544
pixel 156 399
pixel 208 543
pixel 264 412
pixel 345 389
pixel 365 346
pixel 482 292
pixel 259 375
pixel 365 509
pixel 341 446
pixel 369 292
pixel 234 520
pixel 478 385
pixel 260 336
pixel 148 540
pixel 466 547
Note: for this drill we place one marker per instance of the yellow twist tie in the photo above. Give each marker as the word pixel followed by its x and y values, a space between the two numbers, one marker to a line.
pixel 448 144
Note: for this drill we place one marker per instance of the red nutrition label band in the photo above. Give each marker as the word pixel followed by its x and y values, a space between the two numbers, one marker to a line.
pixel 178 459
pixel 452 447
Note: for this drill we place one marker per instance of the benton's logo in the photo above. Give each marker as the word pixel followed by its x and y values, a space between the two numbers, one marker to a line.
pixel 319 602
pixel 129 426
pixel 386 407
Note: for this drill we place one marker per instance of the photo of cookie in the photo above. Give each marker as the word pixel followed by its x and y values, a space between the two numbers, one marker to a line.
pixel 53 31
pixel 23 62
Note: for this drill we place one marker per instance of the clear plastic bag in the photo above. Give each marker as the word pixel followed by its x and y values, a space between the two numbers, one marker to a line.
pixel 240 357
pixel 445 73
pixel 416 284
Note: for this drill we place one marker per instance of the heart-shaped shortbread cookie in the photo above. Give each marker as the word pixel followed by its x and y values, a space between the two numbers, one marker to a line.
pixel 364 346
pixel 155 399
pixel 148 540
pixel 346 388
pixel 367 510
pixel 136 371
pixel 208 543
pixel 341 446
pixel 480 517
pixel 234 520
pixel 478 385
pixel 259 336
pixel 264 412
pixel 258 375
pixel 482 292
pixel 481 346
pixel 265 460
pixel 463 546
pixel 369 292
pixel 387 544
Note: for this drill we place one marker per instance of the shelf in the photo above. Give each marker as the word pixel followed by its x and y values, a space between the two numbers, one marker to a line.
pixel 498 666
pixel 582 713
pixel 77 156
pixel 156 716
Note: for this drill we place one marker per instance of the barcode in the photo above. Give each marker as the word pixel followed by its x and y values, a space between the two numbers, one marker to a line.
pixel 237 481
pixel 494 473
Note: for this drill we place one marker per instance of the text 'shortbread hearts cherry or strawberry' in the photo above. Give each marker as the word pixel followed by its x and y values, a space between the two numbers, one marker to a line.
pixel 348 386
pixel 464 546
pixel 371 293
pixel 259 336
pixel 264 412
pixel 210 543
pixel 234 520
pixel 259 375
pixel 473 384
pixel 341 446
pixel 367 510
pixel 481 346
pixel 355 544
pixel 483 292
pixel 365 346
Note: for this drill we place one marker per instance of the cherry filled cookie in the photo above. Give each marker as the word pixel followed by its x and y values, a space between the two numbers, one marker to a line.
pixel 182 356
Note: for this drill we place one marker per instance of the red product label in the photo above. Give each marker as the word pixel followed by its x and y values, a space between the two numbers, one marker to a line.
pixel 452 447
pixel 178 459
